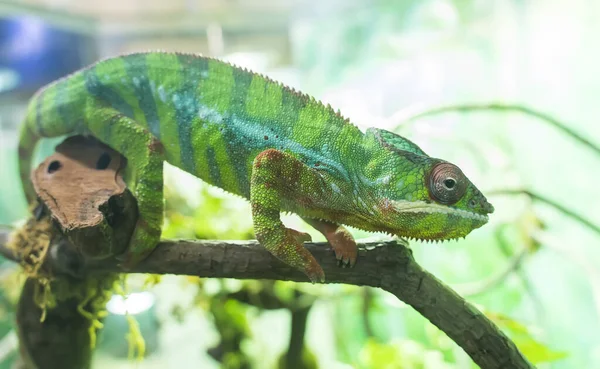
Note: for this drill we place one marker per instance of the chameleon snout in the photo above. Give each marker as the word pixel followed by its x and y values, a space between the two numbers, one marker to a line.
pixel 487 206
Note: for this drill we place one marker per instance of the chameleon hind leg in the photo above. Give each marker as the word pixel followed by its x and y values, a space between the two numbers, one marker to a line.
pixel 278 176
pixel 339 238
pixel 143 174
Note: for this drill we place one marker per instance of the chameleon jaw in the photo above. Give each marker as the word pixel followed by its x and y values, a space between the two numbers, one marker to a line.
pixel 444 224
pixel 431 208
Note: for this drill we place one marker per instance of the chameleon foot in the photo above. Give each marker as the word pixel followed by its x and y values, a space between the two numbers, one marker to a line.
pixel 339 238
pixel 299 236
pixel 290 250
pixel 344 246
pixel 310 266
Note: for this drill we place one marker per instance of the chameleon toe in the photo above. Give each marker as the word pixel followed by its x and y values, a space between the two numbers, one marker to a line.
pixel 315 274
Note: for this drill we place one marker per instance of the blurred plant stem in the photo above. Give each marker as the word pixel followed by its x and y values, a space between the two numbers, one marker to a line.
pixel 478 288
pixel 405 116
pixel 230 321
pixel 514 266
pixel 263 296
pixel 298 356
pixel 367 301
pixel 539 198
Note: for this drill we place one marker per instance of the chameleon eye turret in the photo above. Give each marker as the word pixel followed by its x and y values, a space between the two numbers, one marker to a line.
pixel 447 184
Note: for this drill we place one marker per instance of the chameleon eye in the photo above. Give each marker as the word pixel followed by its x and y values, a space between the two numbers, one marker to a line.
pixel 447 183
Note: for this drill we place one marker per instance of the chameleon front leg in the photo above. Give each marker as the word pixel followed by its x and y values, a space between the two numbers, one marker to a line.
pixel 143 174
pixel 277 176
pixel 339 238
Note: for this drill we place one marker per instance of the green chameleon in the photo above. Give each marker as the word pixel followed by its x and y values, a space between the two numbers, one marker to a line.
pixel 254 137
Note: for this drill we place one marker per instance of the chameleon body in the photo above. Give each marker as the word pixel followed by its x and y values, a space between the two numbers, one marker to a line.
pixel 251 136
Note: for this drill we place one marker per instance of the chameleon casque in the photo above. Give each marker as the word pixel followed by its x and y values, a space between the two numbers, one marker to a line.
pixel 282 150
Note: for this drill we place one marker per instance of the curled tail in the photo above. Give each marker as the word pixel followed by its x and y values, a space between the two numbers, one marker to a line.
pixel 53 111
pixel 28 139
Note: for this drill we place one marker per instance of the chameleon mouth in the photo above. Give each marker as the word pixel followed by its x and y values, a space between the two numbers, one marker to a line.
pixel 429 208
pixel 465 214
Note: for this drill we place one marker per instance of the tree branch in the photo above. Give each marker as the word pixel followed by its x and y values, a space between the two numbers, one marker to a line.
pixel 387 265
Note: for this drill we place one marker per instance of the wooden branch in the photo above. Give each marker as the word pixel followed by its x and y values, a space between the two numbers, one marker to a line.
pixel 386 265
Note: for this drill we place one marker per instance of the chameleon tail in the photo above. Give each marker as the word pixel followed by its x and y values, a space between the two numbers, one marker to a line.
pixel 27 142
pixel 53 111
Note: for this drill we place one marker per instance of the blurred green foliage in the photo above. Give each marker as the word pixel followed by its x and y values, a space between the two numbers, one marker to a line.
pixel 532 269
pixel 535 351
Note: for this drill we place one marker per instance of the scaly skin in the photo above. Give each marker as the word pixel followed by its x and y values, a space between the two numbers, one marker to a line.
pixel 251 136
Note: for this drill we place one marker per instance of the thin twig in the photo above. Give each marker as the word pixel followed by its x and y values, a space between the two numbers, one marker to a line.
pixel 540 198
pixel 404 117
pixel 504 245
pixel 477 288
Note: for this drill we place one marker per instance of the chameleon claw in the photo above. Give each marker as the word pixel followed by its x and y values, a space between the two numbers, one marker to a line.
pixel 344 247
pixel 315 273
pixel 291 251
pixel 343 263
pixel 339 238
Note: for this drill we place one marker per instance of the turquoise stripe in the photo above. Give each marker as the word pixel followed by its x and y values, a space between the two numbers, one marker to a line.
pixel 213 167
pixel 104 93
pixel 38 114
pixel 136 67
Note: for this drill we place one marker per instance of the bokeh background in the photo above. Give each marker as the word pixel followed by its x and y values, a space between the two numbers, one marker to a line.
pixel 533 268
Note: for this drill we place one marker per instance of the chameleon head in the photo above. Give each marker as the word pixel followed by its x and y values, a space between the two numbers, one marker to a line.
pixel 435 202
pixel 426 198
